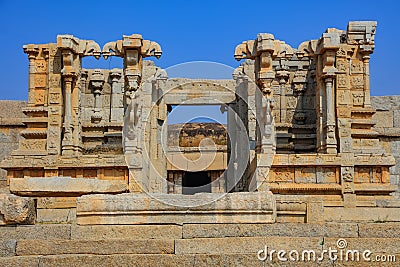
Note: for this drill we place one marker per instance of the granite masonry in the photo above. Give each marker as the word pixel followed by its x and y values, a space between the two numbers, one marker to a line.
pixel 93 175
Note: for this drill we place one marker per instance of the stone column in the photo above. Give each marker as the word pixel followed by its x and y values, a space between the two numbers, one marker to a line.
pixel 214 182
pixel 97 82
pixel 133 48
pixel 331 144
pixel 32 51
pixel 67 142
pixel 83 80
pixel 262 50
pixel 115 75
pixel 239 129
pixel 367 98
pixel 232 146
pixel 283 76
pixel 300 85
pixel 178 182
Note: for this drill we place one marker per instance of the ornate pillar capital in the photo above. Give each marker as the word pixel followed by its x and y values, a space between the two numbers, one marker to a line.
pixel 115 75
pixel 32 51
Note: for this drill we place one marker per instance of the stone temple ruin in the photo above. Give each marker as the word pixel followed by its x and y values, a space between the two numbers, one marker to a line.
pixel 305 145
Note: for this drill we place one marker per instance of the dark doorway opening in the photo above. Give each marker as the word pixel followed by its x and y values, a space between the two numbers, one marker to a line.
pixel 196 182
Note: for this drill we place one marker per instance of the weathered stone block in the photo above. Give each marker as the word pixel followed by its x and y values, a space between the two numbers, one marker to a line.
pixel 56 215
pixel 56 202
pixel 64 186
pixel 137 260
pixel 243 245
pixel 361 214
pixel 12 109
pixel 7 248
pixel 380 230
pixel 89 232
pixel 3 179
pixel 278 229
pixel 305 175
pixel 383 119
pixel 55 247
pixel 25 261
pixel 46 231
pixel 16 210
pixel 177 209
pixel 396 118
pixel 117 114
pixel 376 245
pixel 395 148
pixel 385 102
pixel 326 175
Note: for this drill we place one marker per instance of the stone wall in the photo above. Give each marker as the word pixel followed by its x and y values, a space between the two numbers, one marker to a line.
pixel 387 119
pixel 10 126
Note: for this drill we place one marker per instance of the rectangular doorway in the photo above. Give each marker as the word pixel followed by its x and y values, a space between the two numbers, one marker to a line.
pixel 196 182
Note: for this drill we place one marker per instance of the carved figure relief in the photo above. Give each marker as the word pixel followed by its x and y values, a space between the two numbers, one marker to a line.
pixel 347 174
pixel 358 98
pixel 357 82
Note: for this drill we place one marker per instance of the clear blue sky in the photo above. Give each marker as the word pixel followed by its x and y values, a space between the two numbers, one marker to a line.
pixel 191 30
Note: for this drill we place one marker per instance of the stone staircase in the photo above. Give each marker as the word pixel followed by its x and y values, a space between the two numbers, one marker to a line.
pixel 191 244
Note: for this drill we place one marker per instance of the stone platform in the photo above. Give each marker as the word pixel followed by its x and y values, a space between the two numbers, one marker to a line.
pixel 189 244
pixel 176 209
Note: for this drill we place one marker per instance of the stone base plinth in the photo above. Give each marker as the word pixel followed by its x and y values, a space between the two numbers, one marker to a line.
pixel 258 207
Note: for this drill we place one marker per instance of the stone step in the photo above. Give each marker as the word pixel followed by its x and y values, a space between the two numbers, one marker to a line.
pixel 281 229
pixel 115 249
pixel 139 260
pixel 232 245
pixel 83 260
pixel 190 231
pixel 89 232
pixel 20 232
pixel 273 244
pixel 99 247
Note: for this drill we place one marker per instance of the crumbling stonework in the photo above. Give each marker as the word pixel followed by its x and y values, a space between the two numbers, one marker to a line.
pixel 16 210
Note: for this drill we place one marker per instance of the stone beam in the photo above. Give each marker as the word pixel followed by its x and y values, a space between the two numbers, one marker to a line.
pixel 65 186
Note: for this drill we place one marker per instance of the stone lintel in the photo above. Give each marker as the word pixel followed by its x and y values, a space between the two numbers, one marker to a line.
pixel 65 186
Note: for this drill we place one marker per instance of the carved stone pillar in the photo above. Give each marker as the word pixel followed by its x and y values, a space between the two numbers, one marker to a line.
pixel 367 98
pixel 69 75
pixel 115 75
pixel 68 128
pixel 97 82
pixel 178 182
pixel 300 85
pixel 73 49
pixel 32 51
pixel 331 143
pixel 262 50
pixel 133 48
pixel 238 136
pixel 283 76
